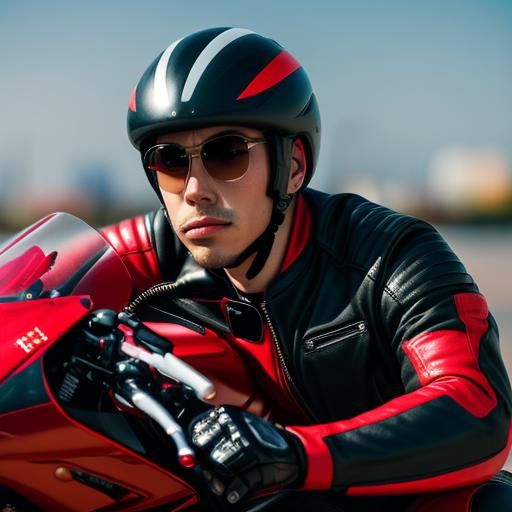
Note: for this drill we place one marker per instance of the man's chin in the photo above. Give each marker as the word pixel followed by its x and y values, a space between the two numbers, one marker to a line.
pixel 213 261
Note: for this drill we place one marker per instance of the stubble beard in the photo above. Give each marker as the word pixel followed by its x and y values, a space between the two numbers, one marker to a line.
pixel 204 252
pixel 211 261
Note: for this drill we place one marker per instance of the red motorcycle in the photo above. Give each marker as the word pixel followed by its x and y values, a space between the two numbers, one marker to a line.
pixel 93 397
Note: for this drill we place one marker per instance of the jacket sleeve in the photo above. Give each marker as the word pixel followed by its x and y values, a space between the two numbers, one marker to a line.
pixel 148 247
pixel 451 425
pixel 130 239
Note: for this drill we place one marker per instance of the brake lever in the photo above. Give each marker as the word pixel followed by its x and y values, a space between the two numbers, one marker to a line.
pixel 128 390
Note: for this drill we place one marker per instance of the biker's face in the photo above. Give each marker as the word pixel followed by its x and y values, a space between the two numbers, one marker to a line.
pixel 216 220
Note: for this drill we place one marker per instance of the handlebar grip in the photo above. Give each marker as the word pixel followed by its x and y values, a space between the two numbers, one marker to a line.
pixel 183 372
pixel 175 368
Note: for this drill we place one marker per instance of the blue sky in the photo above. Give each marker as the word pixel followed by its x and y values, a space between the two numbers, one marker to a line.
pixel 397 81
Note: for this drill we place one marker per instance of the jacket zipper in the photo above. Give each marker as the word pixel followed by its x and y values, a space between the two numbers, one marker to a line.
pixel 341 334
pixel 293 390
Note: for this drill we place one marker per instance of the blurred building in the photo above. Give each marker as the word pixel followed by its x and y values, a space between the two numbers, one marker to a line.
pixel 88 191
pixel 466 182
pixel 391 192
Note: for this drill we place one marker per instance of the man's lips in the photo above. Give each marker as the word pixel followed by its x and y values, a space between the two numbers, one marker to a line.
pixel 204 227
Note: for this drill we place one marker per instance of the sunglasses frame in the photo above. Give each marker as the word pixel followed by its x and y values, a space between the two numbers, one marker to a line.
pixel 195 151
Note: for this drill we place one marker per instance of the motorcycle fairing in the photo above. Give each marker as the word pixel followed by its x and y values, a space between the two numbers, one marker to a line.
pixel 38 325
pixel 36 441
pixel 25 389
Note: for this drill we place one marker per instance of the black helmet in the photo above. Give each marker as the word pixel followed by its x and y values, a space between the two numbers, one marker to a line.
pixel 230 76
pixel 223 76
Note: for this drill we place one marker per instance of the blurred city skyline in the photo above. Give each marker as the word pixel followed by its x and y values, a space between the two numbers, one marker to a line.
pixel 415 97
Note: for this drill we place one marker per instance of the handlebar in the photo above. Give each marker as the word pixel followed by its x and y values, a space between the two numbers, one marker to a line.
pixel 107 336
pixel 174 368
pixel 147 346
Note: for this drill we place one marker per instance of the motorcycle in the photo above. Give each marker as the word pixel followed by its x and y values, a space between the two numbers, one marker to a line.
pixel 95 390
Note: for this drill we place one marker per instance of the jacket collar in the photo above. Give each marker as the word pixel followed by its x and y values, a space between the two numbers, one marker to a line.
pixel 300 233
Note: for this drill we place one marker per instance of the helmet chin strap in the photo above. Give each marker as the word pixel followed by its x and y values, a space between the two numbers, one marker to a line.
pixel 263 244
pixel 279 154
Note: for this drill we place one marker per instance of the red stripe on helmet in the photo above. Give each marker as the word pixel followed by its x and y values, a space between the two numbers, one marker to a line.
pixel 276 70
pixel 131 104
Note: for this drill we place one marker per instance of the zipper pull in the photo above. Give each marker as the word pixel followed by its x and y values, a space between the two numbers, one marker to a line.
pixel 309 344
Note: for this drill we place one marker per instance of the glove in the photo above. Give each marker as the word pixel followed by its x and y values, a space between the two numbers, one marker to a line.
pixel 241 453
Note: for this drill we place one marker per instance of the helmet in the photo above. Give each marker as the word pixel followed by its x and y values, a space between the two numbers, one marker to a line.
pixel 229 76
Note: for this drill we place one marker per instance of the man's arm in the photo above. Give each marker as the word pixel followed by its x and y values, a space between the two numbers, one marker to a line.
pixel 451 427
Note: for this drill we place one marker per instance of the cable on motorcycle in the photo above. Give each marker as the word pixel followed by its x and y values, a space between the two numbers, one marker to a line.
pixel 199 284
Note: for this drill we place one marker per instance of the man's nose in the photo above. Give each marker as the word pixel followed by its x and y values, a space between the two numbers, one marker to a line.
pixel 198 187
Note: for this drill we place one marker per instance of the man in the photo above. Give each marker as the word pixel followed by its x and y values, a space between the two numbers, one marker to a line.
pixel 378 353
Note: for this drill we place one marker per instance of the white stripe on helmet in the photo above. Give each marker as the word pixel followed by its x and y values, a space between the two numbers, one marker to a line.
pixel 160 94
pixel 207 55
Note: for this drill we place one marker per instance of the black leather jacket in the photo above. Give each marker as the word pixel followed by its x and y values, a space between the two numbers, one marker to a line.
pixel 388 346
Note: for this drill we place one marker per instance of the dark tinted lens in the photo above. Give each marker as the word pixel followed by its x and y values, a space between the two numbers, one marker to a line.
pixel 226 158
pixel 170 162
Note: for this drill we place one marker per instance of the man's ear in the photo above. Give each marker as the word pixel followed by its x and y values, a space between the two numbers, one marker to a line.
pixel 298 166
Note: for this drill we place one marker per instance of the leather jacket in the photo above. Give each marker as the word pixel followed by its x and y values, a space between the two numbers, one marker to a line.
pixel 384 346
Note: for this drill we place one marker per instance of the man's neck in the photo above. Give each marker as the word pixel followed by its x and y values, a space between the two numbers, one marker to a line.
pixel 270 270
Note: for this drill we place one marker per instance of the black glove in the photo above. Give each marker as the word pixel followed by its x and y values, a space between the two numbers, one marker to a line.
pixel 241 453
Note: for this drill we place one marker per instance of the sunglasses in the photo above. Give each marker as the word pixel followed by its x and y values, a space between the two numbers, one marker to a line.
pixel 225 158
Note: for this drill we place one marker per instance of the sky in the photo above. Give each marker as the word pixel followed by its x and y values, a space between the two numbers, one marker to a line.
pixel 397 81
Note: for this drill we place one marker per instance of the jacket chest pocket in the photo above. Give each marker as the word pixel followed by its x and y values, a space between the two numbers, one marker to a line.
pixel 336 366
pixel 331 339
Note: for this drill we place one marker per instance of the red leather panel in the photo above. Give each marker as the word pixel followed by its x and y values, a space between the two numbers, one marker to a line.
pixel 320 468
pixel 443 357
pixel 299 236
pixel 131 241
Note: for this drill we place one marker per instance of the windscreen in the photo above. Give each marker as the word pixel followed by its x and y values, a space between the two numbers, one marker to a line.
pixel 62 255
